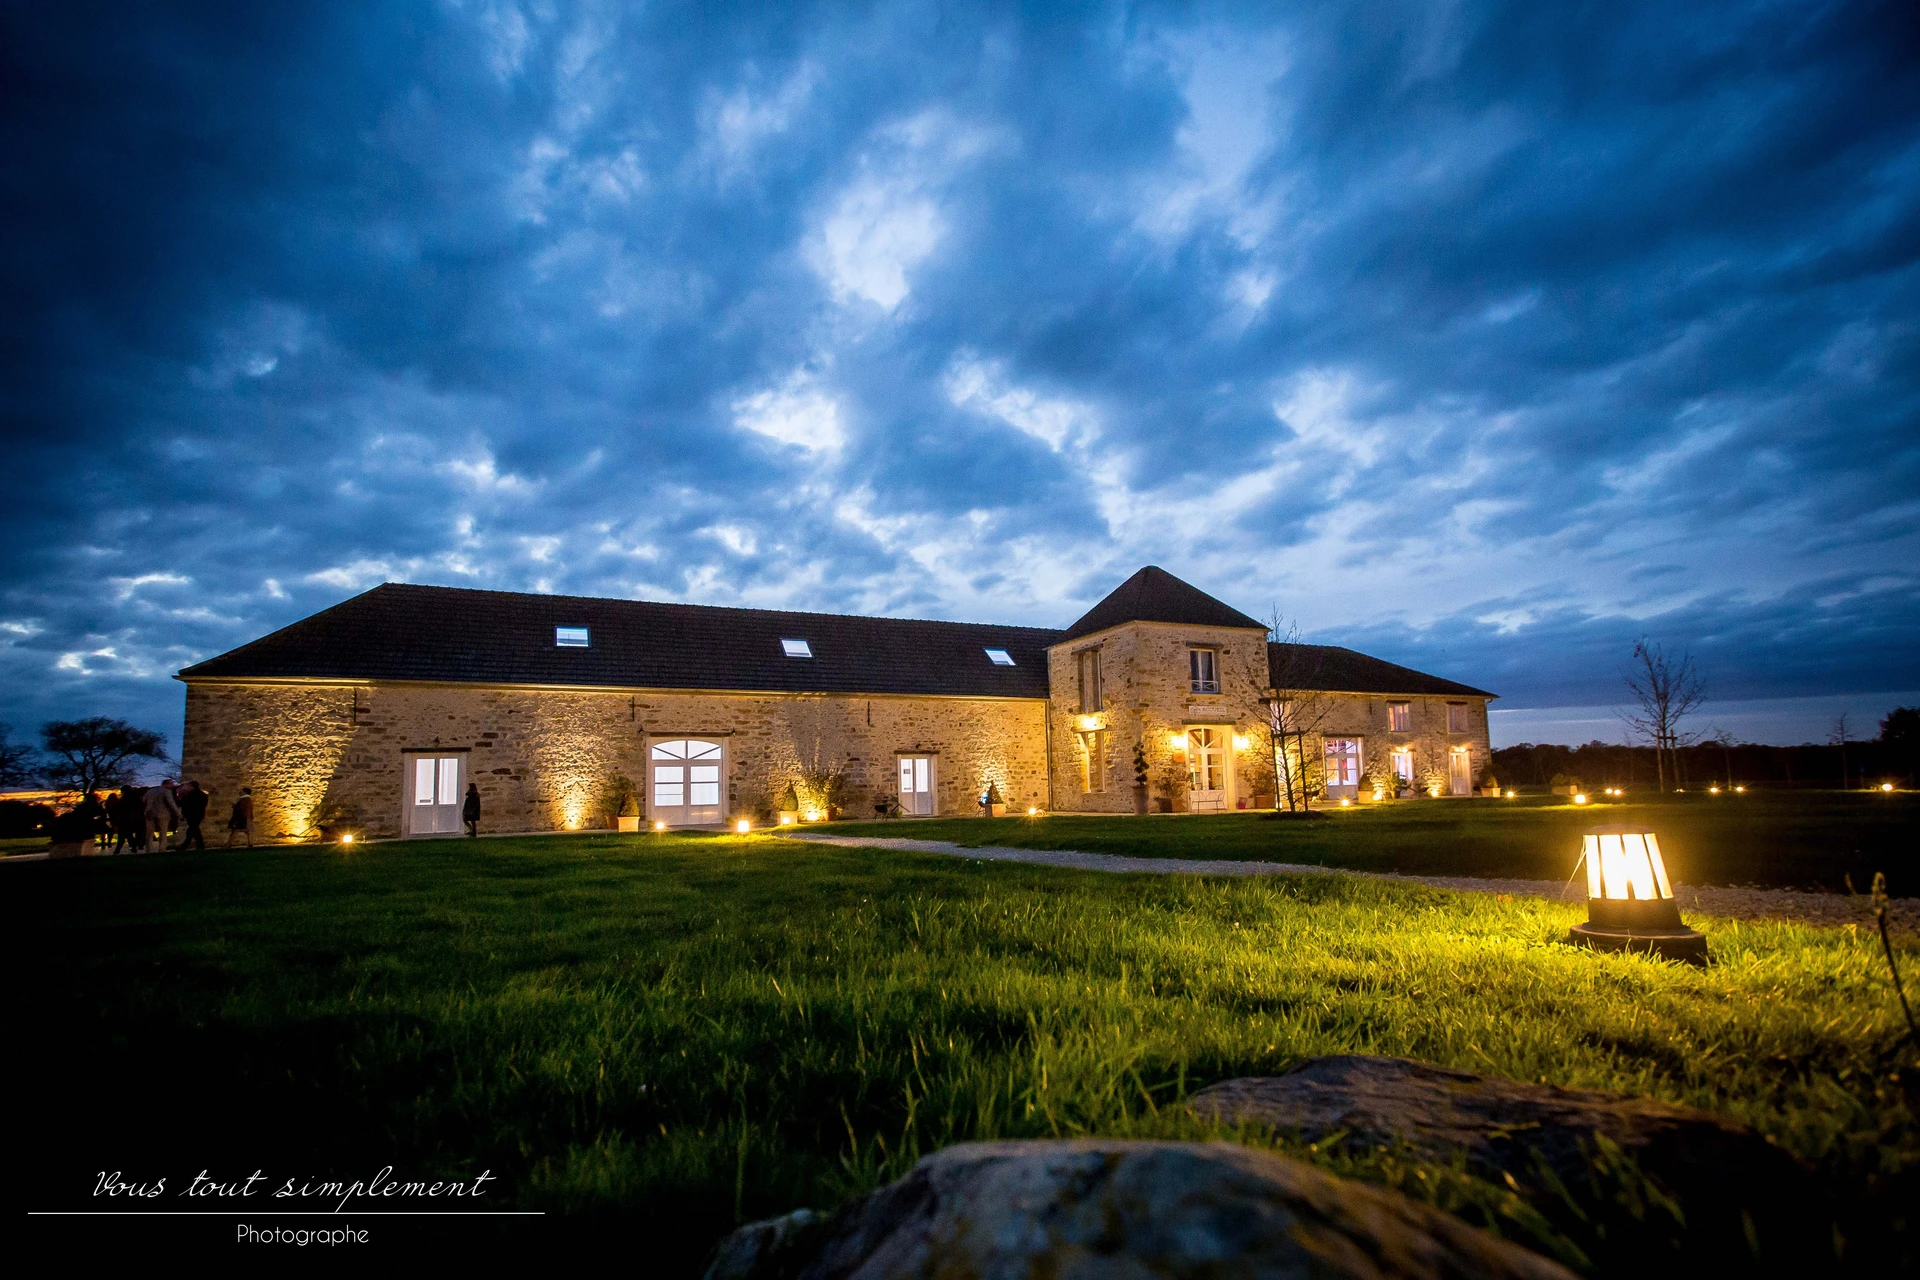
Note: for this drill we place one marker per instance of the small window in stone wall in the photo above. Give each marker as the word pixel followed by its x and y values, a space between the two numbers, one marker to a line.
pixel 1400 717
pixel 1458 718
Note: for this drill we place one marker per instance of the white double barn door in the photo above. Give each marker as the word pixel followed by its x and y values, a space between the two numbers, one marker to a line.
pixel 689 778
pixel 916 786
pixel 433 795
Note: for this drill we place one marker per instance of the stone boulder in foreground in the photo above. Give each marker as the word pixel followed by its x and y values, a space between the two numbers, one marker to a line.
pixel 1112 1210
pixel 1737 1190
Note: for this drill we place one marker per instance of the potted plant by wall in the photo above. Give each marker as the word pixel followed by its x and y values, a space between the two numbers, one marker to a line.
pixel 616 791
pixel 788 807
pixel 1489 785
pixel 1140 779
pixel 993 803
pixel 1565 785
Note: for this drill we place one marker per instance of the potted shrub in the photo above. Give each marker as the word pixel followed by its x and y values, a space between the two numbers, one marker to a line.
pixel 1565 785
pixel 788 806
pixel 1140 779
pixel 619 801
pixel 993 803
pixel 1489 785
pixel 628 819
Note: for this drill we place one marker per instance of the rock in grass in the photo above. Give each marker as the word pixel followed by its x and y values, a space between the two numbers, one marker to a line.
pixel 1111 1210
pixel 1733 1186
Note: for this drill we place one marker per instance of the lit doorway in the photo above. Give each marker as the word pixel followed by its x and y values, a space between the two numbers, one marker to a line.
pixel 1459 772
pixel 1206 770
pixel 687 776
pixel 916 786
pixel 433 796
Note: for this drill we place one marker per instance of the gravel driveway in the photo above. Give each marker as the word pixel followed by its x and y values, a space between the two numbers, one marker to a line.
pixel 1733 904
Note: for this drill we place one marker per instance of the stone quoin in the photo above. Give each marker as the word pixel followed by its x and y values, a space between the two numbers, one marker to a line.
pixel 375 715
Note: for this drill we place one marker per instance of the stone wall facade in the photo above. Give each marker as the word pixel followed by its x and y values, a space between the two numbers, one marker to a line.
pixel 337 754
pixel 1148 699
pixel 1428 740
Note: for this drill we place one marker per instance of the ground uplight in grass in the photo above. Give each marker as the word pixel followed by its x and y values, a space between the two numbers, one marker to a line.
pixel 683 1032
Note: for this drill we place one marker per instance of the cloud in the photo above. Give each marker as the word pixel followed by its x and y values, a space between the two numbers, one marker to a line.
pixel 797 412
pixel 1486 337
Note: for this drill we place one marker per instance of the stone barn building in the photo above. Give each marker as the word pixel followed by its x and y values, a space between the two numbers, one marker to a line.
pixel 374 716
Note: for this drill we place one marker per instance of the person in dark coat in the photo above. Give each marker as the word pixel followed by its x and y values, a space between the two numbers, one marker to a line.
pixel 95 815
pixel 130 820
pixel 193 811
pixel 470 809
pixel 241 820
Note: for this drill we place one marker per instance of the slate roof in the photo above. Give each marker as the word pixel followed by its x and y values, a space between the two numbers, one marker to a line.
pixel 1329 668
pixel 404 632
pixel 456 635
pixel 1154 595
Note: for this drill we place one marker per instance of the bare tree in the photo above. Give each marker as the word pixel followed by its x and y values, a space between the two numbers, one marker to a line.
pixel 16 760
pixel 1297 705
pixel 1838 737
pixel 97 752
pixel 1666 689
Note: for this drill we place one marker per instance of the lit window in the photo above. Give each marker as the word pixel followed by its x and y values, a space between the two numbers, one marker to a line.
pixel 1206 676
pixel 1001 658
pixel 1403 766
pixel 1399 717
pixel 570 637
pixel 1090 696
pixel 1457 718
pixel 797 648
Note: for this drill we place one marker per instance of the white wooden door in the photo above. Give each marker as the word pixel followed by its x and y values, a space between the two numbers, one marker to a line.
pixel 1206 770
pixel 688 777
pixel 433 795
pixel 916 786
pixel 1460 772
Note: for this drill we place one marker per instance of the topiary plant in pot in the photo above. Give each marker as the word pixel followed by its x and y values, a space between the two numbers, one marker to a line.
pixel 1140 779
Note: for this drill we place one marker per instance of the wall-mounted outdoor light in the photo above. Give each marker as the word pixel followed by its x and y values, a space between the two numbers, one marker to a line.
pixel 1630 904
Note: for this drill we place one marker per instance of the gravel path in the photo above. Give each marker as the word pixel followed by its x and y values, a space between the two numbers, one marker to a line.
pixel 1735 904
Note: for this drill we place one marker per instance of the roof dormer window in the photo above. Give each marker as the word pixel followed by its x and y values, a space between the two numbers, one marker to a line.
pixel 1000 657
pixel 796 648
pixel 570 637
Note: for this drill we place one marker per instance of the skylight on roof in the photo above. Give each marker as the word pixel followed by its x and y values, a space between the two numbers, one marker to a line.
pixel 570 637
pixel 1001 658
pixel 797 648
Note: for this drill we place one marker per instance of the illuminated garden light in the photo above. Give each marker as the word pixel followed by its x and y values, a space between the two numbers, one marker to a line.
pixel 659 826
pixel 347 838
pixel 1580 797
pixel 1630 904
pixel 1714 791
pixel 786 819
pixel 743 826
pixel 1886 786
pixel 1346 802
pixel 1739 788
pixel 1511 794
pixel 1032 812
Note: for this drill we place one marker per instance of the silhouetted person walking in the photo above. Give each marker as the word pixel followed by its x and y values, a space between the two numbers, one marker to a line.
pixel 128 816
pixel 470 809
pixel 193 811
pixel 241 819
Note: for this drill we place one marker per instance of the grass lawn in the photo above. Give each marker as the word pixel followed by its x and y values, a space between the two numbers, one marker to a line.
pixel 673 1034
pixel 1775 839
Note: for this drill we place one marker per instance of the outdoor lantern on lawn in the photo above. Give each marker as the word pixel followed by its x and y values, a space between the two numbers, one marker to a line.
pixel 1630 905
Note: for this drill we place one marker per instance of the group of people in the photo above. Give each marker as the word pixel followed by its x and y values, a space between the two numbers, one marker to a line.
pixel 140 819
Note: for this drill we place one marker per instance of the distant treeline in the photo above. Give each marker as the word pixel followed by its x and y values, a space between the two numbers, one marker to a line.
pixel 1603 764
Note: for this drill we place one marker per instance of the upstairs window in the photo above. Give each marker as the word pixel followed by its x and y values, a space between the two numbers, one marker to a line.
pixel 1206 672
pixel 796 648
pixel 1400 717
pixel 1457 718
pixel 1090 692
pixel 570 637
pixel 1000 657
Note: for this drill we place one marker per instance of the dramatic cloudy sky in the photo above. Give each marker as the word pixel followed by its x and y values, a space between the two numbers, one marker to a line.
pixel 1486 337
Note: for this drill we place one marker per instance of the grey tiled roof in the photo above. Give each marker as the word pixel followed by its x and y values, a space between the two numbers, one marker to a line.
pixel 455 635
pixel 1328 668
pixel 405 632
pixel 1154 595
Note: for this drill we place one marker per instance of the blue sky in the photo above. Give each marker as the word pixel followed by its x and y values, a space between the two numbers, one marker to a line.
pixel 1483 337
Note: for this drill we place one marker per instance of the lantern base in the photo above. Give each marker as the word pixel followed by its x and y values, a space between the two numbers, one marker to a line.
pixel 1686 945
